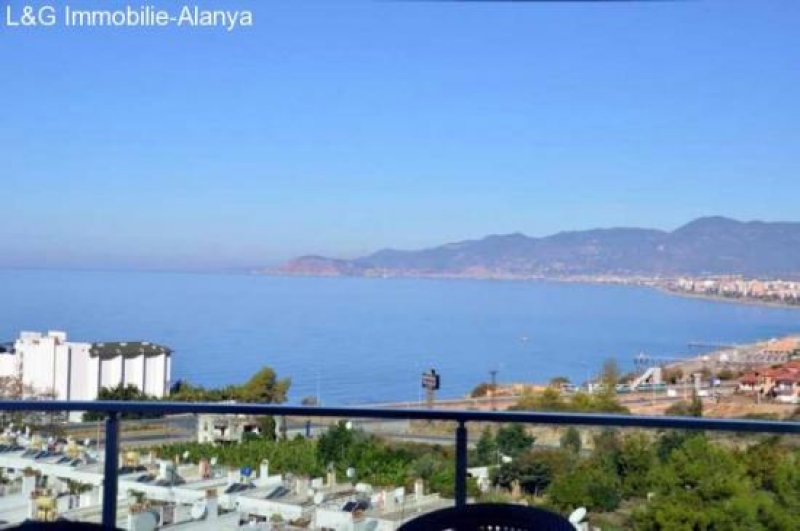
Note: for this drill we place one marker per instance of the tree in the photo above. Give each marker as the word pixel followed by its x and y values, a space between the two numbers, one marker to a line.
pixel 309 401
pixel 672 375
pixel 558 381
pixel 486 449
pixel 635 460
pixel 512 440
pixel 610 374
pixel 604 401
pixel 264 387
pixel 266 427
pixel 483 389
pixel 336 444
pixel 590 485
pixel 122 393
pixel 571 440
pixel 534 470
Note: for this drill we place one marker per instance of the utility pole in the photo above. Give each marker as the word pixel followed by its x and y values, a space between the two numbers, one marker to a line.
pixel 493 389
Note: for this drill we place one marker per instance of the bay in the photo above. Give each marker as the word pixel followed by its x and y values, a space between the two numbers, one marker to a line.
pixel 364 340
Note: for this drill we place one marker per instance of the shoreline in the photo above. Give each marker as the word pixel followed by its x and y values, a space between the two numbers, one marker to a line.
pixel 641 283
pixel 728 300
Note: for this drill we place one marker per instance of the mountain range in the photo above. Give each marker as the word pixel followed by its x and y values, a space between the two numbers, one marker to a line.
pixel 705 246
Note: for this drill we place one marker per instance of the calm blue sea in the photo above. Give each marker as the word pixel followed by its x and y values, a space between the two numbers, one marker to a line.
pixel 365 340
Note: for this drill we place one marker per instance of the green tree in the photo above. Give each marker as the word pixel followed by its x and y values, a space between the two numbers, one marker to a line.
pixel 571 440
pixel 486 449
pixel 635 460
pixel 590 485
pixel 122 393
pixel 264 387
pixel 513 439
pixel 336 445
pixel 534 470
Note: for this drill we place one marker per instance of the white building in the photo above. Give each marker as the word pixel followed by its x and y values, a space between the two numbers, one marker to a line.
pixel 49 365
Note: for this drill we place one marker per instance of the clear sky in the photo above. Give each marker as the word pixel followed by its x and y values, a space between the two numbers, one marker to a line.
pixel 339 127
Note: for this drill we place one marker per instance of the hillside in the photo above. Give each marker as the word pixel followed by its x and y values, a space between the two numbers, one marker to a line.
pixel 710 245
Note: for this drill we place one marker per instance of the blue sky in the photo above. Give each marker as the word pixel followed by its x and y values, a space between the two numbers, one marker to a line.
pixel 339 128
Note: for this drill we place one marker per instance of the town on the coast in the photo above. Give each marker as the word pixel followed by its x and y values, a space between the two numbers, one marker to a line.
pixel 242 471
pixel 739 288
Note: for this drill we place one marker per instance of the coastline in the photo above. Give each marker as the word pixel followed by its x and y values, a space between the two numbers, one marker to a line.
pixel 729 300
pixel 619 281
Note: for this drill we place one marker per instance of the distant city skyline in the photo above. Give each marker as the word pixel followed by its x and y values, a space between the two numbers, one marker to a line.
pixel 341 128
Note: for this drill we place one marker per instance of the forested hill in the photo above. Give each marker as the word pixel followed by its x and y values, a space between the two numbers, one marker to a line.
pixel 710 245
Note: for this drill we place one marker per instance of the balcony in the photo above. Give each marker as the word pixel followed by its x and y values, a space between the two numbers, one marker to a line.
pixel 119 484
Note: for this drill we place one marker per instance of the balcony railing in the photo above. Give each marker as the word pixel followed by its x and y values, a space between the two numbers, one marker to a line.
pixel 113 410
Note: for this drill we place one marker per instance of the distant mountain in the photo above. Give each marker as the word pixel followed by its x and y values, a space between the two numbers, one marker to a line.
pixel 710 245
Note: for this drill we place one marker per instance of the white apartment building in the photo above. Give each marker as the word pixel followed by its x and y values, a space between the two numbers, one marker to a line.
pixel 49 365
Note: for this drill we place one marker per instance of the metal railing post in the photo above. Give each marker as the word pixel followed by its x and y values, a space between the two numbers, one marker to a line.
pixel 110 471
pixel 461 464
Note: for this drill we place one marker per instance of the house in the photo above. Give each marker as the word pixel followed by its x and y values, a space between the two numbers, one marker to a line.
pixel 785 348
pixel 749 382
pixel 781 383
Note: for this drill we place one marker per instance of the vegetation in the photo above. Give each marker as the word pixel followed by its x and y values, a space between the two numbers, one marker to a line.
pixel 694 408
pixel 513 440
pixel 728 374
pixel 122 393
pixel 611 374
pixel 664 481
pixel 483 389
pixel 638 479
pixel 263 387
pixel 672 375
pixel 571 440
pixel 374 460
pixel 551 399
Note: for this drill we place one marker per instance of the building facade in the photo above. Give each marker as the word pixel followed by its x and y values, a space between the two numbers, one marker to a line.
pixel 49 366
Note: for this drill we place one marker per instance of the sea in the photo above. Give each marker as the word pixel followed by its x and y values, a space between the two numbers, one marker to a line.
pixel 354 341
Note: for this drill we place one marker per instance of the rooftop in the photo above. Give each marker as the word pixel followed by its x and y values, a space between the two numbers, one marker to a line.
pixel 128 349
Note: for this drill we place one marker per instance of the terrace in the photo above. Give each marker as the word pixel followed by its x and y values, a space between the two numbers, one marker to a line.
pixel 265 493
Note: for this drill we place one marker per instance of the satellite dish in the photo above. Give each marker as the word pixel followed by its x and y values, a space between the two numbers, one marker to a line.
pixel 198 510
pixel 577 515
pixel 144 521
pixel 351 472
pixel 319 497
